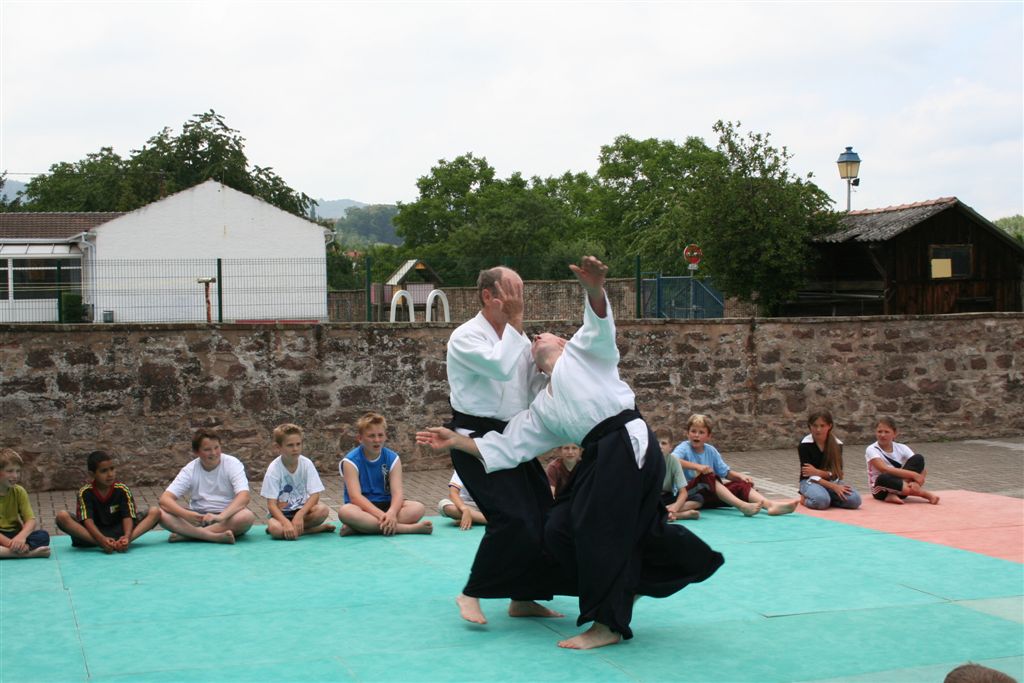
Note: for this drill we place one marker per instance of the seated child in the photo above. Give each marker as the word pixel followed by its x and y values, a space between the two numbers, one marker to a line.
pixel 673 489
pixel 19 537
pixel 372 475
pixel 218 495
pixel 710 481
pixel 560 469
pixel 105 516
pixel 894 471
pixel 459 505
pixel 292 488
pixel 821 467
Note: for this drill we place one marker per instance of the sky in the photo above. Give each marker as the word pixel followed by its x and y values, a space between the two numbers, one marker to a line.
pixel 358 100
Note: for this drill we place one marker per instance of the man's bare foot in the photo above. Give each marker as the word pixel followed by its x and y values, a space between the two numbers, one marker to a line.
pixel 597 635
pixel 894 499
pixel 469 609
pixel 346 530
pixel 529 608
pixel 783 507
pixel 750 509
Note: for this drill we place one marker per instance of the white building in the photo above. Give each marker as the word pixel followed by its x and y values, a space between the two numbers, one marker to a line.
pixel 155 264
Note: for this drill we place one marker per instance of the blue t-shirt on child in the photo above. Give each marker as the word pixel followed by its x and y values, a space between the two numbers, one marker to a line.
pixel 710 456
pixel 374 475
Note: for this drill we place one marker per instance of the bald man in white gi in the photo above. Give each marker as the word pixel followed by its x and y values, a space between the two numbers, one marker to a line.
pixel 492 377
pixel 609 529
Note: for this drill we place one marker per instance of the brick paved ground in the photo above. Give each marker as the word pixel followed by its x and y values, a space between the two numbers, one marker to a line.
pixel 988 466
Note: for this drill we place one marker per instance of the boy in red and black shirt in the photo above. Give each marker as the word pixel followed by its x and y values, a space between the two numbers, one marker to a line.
pixel 105 516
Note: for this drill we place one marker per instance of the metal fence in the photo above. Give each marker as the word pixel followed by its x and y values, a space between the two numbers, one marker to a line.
pixel 164 290
pixel 73 289
pixel 681 297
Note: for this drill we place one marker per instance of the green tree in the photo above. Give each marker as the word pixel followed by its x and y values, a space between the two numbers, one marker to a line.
pixel 754 218
pixel 368 225
pixel 206 148
pixel 446 200
pixel 1014 225
pixel 640 199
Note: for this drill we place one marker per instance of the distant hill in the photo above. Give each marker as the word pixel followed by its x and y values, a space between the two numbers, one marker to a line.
pixel 335 208
pixel 11 189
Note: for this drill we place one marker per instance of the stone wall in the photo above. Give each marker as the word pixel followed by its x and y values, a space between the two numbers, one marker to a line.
pixel 139 390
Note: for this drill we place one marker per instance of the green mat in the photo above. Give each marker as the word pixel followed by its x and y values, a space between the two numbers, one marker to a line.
pixel 799 599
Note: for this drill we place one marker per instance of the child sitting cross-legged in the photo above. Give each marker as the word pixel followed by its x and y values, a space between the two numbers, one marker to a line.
pixel 374 498
pixel 105 515
pixel 459 505
pixel 20 535
pixel 673 488
pixel 292 488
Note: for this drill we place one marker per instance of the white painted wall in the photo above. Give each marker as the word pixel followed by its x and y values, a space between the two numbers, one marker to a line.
pixel 147 262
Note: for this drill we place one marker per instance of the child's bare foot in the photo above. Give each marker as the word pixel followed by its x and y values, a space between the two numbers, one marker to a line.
pixel 41 551
pixel 176 538
pixel 894 499
pixel 782 507
pixel 321 529
pixel 685 514
pixel 597 635
pixel 422 527
pixel 469 609
pixel 223 537
pixel 750 509
pixel 346 530
pixel 930 497
pixel 529 608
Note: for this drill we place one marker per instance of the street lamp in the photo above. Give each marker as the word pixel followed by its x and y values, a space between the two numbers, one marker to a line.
pixel 849 166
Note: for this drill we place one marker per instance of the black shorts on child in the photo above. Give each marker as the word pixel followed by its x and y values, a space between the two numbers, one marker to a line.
pixel 114 532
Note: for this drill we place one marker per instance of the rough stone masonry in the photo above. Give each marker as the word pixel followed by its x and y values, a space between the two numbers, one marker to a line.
pixel 139 390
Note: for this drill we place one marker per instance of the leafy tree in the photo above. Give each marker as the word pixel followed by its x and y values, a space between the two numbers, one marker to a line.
pixel 206 148
pixel 368 225
pixel 447 198
pixel 643 185
pixel 754 218
pixel 1014 225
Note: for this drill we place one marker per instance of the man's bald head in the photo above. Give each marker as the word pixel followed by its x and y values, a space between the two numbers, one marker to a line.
pixel 488 280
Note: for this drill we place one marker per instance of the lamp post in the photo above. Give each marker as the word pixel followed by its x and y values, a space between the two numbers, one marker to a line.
pixel 849 166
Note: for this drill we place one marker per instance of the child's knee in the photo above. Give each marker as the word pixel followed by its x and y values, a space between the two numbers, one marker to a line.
pixel 817 501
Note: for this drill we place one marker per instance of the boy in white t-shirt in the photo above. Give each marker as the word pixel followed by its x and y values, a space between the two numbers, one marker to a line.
pixel 292 488
pixel 459 505
pixel 218 495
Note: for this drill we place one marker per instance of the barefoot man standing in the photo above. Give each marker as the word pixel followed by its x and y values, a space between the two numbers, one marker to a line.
pixel 608 529
pixel 492 377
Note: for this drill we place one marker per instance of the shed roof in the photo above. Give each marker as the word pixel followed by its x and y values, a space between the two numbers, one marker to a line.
pixel 413 265
pixel 45 225
pixel 879 225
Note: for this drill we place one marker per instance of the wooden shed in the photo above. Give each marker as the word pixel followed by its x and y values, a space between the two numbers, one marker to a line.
pixel 938 256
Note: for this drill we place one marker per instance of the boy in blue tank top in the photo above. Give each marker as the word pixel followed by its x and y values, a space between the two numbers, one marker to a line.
pixel 372 476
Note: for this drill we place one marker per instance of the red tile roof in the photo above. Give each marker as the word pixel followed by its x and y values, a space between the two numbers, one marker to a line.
pixel 50 226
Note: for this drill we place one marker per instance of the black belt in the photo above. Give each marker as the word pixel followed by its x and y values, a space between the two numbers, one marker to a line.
pixel 609 425
pixel 478 425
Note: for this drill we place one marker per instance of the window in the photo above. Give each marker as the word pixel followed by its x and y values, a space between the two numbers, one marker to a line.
pixel 45 278
pixel 950 260
pixel 4 271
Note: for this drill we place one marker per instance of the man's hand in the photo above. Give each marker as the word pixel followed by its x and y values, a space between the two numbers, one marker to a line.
pixel 590 272
pixel 509 296
pixel 438 438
